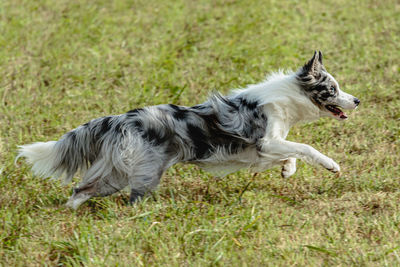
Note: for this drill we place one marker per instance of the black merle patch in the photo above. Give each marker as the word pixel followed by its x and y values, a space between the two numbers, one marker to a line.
pixel 323 79
pixel 105 126
pixel 202 148
pixel 154 136
pixel 174 107
pixel 118 127
pixel 248 104
pixel 212 137
pixel 325 95
pixel 316 100
pixel 179 113
pixel 138 124
pixel 215 134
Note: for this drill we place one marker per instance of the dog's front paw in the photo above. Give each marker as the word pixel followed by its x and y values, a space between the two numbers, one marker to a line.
pixel 288 168
pixel 331 165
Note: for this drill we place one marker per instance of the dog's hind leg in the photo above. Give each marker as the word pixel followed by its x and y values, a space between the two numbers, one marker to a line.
pixel 289 167
pixel 141 184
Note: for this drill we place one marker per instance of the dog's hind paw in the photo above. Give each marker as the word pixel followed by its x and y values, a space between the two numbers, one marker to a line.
pixel 136 196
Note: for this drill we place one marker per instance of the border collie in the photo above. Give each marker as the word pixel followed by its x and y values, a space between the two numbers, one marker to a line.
pixel 245 129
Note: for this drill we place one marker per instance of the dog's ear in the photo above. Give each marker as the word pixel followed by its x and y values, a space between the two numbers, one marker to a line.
pixel 320 57
pixel 314 65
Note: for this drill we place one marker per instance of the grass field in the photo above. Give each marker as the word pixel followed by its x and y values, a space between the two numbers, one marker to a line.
pixel 63 63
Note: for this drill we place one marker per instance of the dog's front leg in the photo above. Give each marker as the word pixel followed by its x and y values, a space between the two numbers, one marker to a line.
pixel 285 150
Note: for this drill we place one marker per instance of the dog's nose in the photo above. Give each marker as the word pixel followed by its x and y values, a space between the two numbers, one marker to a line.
pixel 357 101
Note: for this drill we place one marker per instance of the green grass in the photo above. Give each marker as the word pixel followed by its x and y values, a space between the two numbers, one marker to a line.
pixel 63 63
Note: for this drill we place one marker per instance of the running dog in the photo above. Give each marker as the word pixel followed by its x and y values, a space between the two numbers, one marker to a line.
pixel 245 129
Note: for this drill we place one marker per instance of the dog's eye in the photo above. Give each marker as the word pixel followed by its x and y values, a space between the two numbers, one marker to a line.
pixel 332 89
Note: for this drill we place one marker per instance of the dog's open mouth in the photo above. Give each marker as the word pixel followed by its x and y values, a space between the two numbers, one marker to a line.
pixel 337 112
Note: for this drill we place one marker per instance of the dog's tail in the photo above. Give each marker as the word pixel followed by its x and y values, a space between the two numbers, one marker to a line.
pixel 74 152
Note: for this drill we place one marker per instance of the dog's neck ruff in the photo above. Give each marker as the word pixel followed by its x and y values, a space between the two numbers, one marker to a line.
pixel 281 94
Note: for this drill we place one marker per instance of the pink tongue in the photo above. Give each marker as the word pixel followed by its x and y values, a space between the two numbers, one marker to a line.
pixel 342 115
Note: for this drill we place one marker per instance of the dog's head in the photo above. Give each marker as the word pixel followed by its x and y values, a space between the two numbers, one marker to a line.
pixel 323 89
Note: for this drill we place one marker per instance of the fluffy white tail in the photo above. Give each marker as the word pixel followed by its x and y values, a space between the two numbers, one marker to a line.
pixel 42 155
